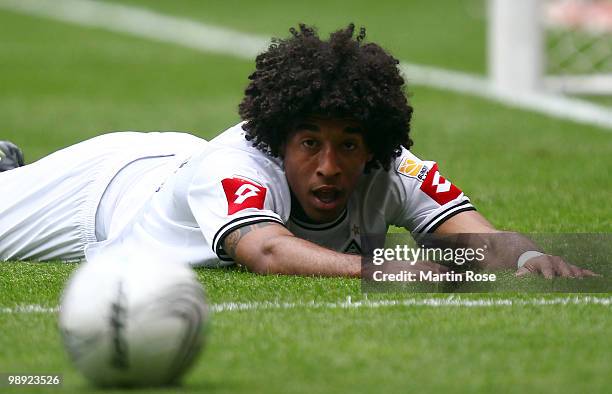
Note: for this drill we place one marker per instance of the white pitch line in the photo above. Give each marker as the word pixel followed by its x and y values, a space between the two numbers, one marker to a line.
pixel 30 308
pixel 556 106
pixel 145 23
pixel 451 301
pixel 204 37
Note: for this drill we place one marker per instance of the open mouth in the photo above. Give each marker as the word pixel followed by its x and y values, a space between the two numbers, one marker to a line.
pixel 327 195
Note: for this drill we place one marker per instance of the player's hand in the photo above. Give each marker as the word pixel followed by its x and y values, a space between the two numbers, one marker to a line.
pixel 553 266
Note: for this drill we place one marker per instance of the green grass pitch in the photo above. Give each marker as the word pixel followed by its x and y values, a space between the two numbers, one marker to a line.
pixel 60 84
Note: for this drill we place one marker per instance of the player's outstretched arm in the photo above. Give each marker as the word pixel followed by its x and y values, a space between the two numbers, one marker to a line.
pixel 269 248
pixel 512 250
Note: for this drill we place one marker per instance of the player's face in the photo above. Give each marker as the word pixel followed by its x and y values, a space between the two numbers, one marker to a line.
pixel 324 159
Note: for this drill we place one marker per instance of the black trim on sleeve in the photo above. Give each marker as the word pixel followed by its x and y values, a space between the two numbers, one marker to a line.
pixel 231 222
pixel 220 235
pixel 467 206
pixel 435 226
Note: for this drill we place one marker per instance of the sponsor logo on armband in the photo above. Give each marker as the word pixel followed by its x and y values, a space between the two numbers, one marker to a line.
pixel 439 188
pixel 413 169
pixel 243 193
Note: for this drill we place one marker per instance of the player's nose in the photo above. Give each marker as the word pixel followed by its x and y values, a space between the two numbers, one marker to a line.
pixel 328 165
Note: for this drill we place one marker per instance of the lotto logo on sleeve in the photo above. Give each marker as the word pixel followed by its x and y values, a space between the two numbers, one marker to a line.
pixel 439 188
pixel 243 193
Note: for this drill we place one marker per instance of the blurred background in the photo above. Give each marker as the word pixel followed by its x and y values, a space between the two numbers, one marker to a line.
pixel 510 97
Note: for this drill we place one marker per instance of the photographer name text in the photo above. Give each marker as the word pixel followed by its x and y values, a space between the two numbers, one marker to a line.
pixel 430 276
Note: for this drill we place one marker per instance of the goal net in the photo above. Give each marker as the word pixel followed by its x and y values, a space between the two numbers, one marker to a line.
pixel 555 45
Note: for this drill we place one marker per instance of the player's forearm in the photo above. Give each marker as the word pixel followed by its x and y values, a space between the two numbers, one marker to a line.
pixel 290 255
pixel 269 248
pixel 471 230
pixel 504 249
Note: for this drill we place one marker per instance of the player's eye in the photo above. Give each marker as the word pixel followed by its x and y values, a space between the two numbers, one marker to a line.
pixel 349 145
pixel 309 143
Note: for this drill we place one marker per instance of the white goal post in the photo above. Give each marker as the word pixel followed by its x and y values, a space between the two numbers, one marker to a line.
pixel 561 46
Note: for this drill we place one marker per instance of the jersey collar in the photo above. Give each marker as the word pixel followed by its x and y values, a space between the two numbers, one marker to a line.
pixel 298 216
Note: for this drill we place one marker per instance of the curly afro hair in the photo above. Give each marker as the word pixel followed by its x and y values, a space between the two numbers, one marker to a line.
pixel 341 78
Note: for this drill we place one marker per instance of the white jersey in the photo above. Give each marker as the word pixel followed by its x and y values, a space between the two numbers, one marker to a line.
pixel 49 209
pixel 230 184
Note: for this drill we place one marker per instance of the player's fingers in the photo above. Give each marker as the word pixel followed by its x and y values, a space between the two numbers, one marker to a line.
pixel 581 272
pixel 522 271
pixel 586 272
pixel 547 270
pixel 562 269
pixel 576 271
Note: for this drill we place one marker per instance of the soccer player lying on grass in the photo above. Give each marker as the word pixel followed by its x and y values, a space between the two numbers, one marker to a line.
pixel 321 158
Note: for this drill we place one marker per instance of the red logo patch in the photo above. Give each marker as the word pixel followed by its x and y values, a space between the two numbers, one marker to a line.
pixel 242 193
pixel 438 188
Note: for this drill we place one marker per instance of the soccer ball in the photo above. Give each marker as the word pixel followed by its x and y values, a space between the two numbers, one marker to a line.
pixel 133 322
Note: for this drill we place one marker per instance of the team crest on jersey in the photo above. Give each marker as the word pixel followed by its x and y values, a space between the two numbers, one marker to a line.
pixel 439 188
pixel 413 169
pixel 353 248
pixel 242 193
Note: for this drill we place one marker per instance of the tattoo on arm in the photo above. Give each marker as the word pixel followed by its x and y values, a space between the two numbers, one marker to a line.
pixel 231 240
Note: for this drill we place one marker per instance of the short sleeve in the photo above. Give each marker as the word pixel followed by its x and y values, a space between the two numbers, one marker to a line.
pixel 234 190
pixel 426 199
